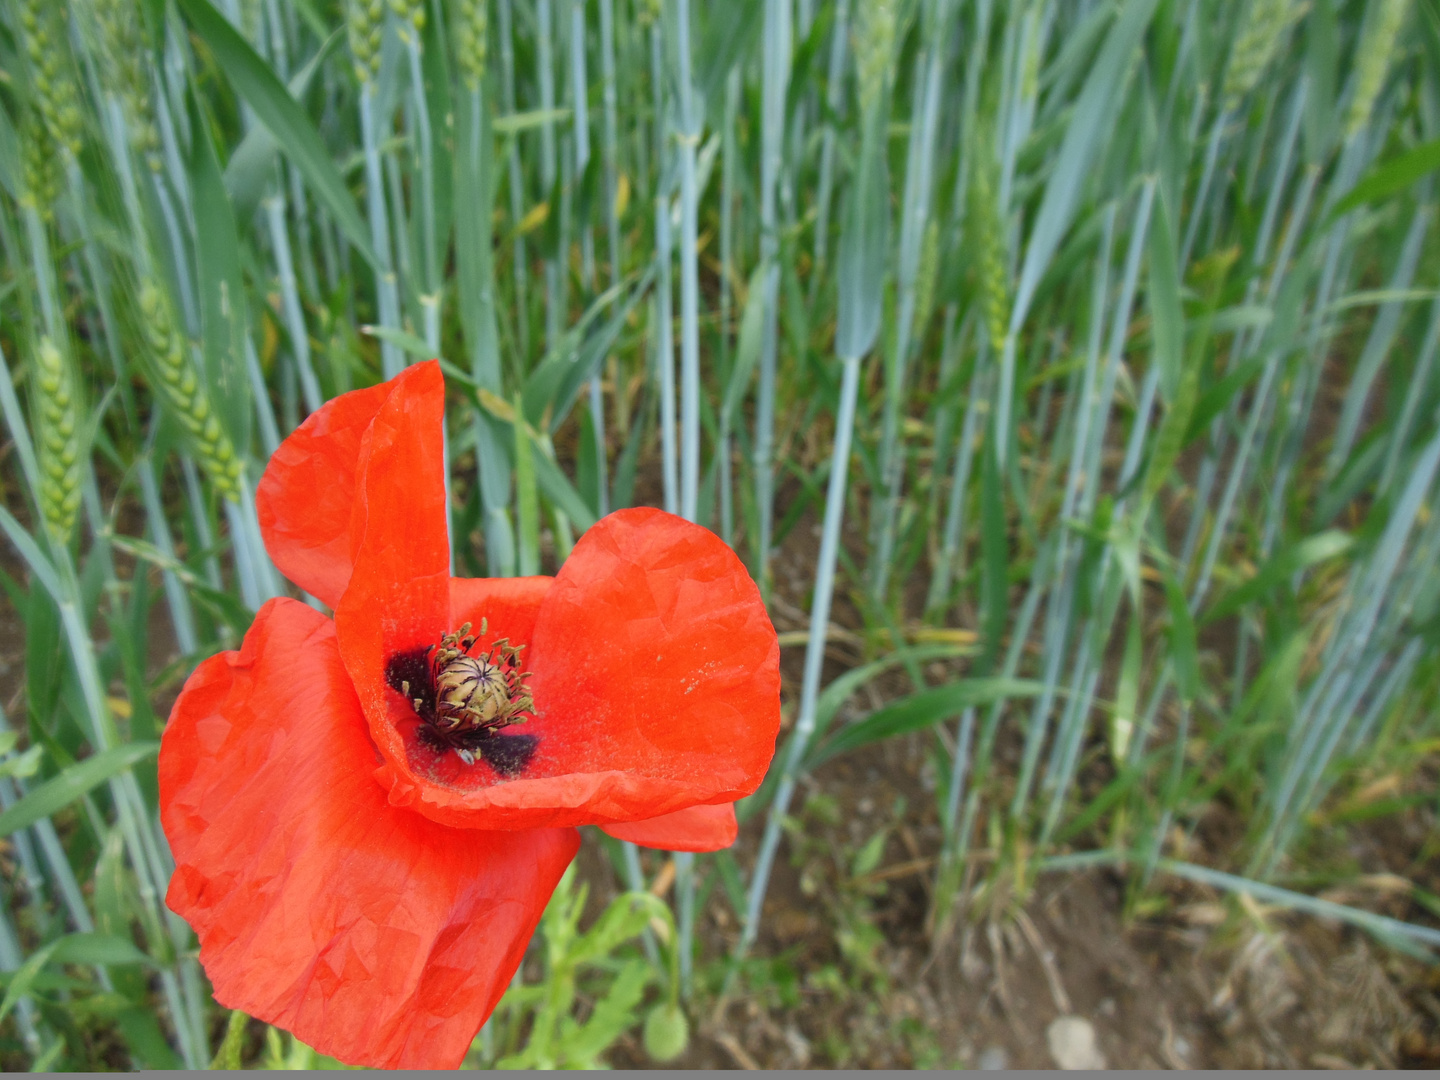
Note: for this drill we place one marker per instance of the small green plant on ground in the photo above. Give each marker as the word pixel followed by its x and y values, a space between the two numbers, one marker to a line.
pixel 592 988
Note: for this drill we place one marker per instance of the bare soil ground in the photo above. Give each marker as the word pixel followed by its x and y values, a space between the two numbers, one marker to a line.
pixel 1207 983
pixel 847 975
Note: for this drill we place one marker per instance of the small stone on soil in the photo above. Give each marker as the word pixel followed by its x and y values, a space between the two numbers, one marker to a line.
pixel 1072 1044
pixel 993 1059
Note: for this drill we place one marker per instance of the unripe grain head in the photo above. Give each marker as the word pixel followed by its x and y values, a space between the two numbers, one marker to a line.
pixel 874 41
pixel 179 383
pixel 118 40
pixel 1261 34
pixel 52 126
pixel 1372 59
pixel 57 423
pixel 471 22
pixel 364 25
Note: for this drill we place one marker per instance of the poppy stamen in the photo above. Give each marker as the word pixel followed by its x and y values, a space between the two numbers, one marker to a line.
pixel 463 699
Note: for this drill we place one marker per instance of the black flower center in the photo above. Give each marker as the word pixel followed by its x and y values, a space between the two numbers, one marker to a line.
pixel 464 698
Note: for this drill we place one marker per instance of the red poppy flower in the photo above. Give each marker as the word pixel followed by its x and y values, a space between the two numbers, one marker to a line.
pixel 369 814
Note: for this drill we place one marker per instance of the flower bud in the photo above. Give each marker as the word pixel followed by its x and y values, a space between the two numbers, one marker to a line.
pixel 667 1032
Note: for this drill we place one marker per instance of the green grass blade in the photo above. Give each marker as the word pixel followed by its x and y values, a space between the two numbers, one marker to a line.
pixel 919 711
pixel 60 791
pixel 256 83
pixel 251 167
pixel 1389 178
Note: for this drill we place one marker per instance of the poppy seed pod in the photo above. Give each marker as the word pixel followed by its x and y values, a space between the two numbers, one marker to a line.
pixel 471 691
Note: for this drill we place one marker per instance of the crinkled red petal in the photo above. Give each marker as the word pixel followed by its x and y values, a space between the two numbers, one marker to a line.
pixel 509 605
pixel 306 496
pixel 374 934
pixel 655 675
pixel 657 671
pixel 698 828
pixel 398 599
pixel 397 516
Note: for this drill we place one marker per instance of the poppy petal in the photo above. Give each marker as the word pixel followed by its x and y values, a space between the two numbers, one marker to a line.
pixel 397 604
pixel 397 522
pixel 657 669
pixel 305 497
pixel 696 828
pixel 509 605
pixel 655 675
pixel 374 934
